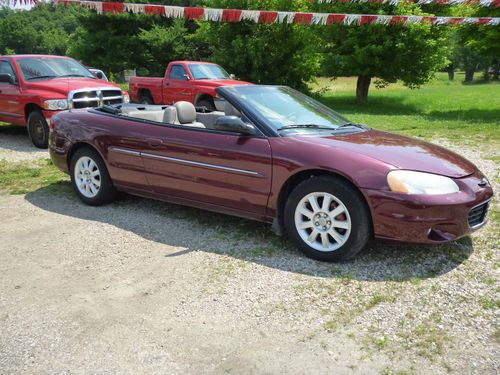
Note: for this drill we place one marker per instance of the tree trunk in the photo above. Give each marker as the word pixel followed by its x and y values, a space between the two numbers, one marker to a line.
pixel 362 87
pixel 469 74
pixel 486 73
pixel 451 72
pixel 496 69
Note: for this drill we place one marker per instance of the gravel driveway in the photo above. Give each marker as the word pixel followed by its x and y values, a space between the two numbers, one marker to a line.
pixel 146 287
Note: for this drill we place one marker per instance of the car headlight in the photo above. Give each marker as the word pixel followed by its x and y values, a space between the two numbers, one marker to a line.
pixel 55 104
pixel 411 182
pixel 126 98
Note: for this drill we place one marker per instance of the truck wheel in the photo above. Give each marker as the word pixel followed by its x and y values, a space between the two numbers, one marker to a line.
pixel 146 99
pixel 38 130
pixel 208 104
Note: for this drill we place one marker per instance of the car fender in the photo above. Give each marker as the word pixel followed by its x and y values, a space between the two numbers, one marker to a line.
pixel 360 170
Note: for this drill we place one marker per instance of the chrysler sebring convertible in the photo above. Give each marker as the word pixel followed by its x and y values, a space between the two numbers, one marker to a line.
pixel 278 156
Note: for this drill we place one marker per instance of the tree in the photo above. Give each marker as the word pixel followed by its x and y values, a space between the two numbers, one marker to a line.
pixel 110 42
pixel 409 53
pixel 479 45
pixel 44 29
pixel 164 43
pixel 115 42
pixel 264 53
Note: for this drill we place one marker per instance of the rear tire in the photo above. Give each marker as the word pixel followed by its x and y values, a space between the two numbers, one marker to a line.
pixel 327 219
pixel 208 104
pixel 38 130
pixel 90 178
pixel 146 99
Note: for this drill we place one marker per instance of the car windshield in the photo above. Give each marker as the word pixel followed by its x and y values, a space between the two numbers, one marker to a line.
pixel 48 68
pixel 286 109
pixel 207 71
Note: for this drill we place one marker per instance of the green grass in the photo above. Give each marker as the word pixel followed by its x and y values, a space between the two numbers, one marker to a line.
pixel 489 304
pixel 23 177
pixel 442 108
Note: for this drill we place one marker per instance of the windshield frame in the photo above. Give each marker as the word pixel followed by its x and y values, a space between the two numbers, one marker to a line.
pixel 232 94
pixel 227 77
pixel 44 78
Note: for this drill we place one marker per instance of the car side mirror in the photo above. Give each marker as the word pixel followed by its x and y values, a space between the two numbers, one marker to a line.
pixel 99 75
pixel 185 77
pixel 234 124
pixel 232 76
pixel 6 78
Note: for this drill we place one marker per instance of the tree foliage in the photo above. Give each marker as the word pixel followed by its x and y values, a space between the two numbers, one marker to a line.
pixel 110 42
pixel 478 46
pixel 264 53
pixel 285 53
pixel 409 53
pixel 44 29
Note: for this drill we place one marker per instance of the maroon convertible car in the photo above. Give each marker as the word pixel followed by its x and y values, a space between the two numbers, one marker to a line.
pixel 278 156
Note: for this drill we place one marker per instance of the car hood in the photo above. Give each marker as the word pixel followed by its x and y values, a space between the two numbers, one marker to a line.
pixel 64 85
pixel 402 152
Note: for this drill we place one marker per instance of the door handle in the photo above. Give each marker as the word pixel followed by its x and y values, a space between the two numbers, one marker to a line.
pixel 154 142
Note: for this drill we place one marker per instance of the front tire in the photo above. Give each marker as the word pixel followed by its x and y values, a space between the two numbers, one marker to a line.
pixel 327 219
pixel 90 178
pixel 38 130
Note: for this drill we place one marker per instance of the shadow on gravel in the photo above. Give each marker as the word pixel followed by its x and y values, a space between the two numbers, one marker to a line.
pixel 12 129
pixel 15 138
pixel 197 230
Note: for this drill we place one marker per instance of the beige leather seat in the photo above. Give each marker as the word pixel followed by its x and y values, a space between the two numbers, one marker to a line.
pixel 186 114
pixel 170 115
pixel 148 115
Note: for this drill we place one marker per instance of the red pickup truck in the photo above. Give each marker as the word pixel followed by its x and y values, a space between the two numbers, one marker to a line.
pixel 192 81
pixel 35 87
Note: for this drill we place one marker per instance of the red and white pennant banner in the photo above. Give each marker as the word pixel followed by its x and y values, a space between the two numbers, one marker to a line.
pixel 483 3
pixel 265 16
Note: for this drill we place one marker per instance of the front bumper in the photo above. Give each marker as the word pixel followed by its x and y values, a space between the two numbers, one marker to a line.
pixel 429 219
pixel 59 159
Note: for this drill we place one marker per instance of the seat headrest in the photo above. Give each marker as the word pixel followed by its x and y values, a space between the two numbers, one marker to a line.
pixel 170 115
pixel 186 112
pixel 229 110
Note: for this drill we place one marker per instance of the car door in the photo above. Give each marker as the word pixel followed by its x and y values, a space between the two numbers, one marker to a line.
pixel 216 168
pixel 123 140
pixel 9 96
pixel 177 86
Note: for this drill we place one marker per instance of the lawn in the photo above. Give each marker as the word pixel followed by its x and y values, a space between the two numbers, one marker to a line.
pixel 442 108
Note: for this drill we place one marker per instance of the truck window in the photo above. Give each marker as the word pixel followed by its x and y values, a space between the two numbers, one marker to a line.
pixel 207 71
pixel 178 72
pixel 6 68
pixel 47 67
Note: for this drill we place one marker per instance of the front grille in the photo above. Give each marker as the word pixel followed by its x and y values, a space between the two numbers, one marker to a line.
pixel 85 98
pixel 477 215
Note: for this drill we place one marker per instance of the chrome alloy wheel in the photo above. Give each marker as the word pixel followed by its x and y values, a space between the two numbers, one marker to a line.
pixel 87 177
pixel 322 221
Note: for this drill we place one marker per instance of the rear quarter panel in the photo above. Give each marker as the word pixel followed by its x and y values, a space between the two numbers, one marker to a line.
pixel 101 132
pixel 153 85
